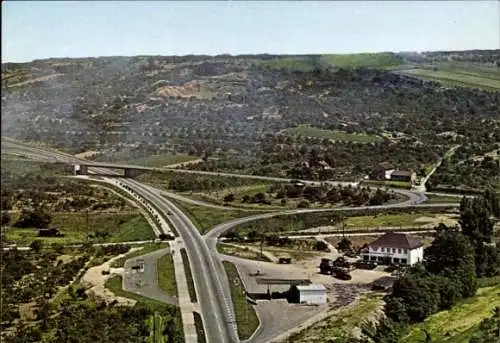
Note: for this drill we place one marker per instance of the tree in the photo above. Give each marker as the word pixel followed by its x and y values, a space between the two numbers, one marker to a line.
pixel 229 197
pixel 419 294
pixel 5 218
pixel 36 245
pixel 475 220
pixel 451 255
pixel 344 244
pixel 37 218
pixel 493 202
pixel 477 225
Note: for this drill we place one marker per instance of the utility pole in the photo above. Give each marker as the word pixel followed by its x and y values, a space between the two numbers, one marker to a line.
pixel 87 224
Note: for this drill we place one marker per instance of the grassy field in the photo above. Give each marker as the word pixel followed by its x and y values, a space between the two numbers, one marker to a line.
pixel 189 276
pixel 217 198
pixel 340 324
pixel 436 199
pixel 246 317
pixel 382 60
pixel 309 131
pixel 114 284
pixel 294 253
pixel 205 218
pixel 121 227
pixel 382 220
pixel 240 252
pixel 146 249
pixel 166 275
pixel 461 322
pixel 461 78
pixel 395 184
pixel 160 160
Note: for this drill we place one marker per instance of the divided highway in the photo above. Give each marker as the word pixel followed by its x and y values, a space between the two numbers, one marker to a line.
pixel 210 279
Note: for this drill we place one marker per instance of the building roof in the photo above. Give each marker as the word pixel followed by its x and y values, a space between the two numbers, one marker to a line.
pixel 268 281
pixel 385 165
pixel 311 287
pixel 397 240
pixel 402 173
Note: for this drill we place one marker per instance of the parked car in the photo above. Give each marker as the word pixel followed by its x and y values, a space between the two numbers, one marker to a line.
pixel 341 273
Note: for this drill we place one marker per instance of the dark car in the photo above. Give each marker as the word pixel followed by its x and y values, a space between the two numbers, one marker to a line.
pixel 341 274
pixel 326 266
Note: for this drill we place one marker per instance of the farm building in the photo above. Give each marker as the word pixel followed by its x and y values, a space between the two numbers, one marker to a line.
pixel 382 171
pixel 313 294
pixel 403 175
pixel 395 248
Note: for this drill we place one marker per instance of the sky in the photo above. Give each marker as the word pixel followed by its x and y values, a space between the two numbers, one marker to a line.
pixel 44 29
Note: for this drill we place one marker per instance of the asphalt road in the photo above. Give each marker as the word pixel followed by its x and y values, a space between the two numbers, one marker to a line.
pixel 216 305
pixel 145 283
pixel 208 272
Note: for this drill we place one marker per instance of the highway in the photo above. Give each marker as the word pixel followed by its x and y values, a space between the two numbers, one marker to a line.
pixel 208 272
pixel 216 305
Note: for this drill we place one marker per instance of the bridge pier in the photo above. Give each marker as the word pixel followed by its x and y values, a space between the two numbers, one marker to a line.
pixel 131 172
pixel 80 170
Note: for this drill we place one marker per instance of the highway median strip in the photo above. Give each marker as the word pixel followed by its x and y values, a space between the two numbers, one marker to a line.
pixel 189 276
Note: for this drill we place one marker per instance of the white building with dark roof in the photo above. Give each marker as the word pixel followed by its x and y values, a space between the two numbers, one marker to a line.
pixel 396 248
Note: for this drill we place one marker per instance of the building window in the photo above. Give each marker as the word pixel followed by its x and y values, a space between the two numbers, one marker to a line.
pixel 396 260
pixel 405 251
pixel 393 250
pixel 399 251
pixel 365 257
pixel 373 258
pixel 403 261
pixel 382 249
pixel 380 258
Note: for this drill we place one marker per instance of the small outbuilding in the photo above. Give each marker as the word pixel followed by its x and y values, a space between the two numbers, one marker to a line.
pixel 313 294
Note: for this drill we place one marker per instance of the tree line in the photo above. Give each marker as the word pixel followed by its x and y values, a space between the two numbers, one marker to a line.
pixel 452 265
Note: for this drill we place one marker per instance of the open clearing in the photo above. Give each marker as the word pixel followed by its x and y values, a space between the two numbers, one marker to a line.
pixel 205 218
pixel 251 253
pixel 459 323
pixel 378 60
pixel 332 135
pixel 96 280
pixel 402 219
pixel 457 78
pixel 120 227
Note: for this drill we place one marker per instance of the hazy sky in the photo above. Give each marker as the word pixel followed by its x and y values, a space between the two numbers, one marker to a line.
pixel 33 30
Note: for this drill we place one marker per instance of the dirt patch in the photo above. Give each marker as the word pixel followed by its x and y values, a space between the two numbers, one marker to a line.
pixel 448 220
pixel 27 311
pixel 182 164
pixel 64 258
pixel 36 79
pixel 96 280
pixel 87 154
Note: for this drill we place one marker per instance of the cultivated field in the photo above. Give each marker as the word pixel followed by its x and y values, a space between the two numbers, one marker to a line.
pixel 332 135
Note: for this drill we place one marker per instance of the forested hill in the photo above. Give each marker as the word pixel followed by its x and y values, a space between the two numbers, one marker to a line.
pixel 215 105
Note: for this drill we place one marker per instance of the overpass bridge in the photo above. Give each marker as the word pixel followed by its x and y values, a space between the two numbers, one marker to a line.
pixel 81 168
